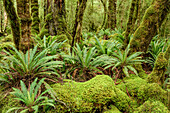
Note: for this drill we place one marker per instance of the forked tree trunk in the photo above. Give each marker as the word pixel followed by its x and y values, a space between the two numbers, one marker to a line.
pixel 23 9
pixel 14 21
pixel 112 14
pixel 152 20
pixel 35 16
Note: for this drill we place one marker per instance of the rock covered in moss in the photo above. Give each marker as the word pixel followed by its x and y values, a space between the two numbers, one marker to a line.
pixel 152 91
pixel 132 85
pixel 151 106
pixel 90 96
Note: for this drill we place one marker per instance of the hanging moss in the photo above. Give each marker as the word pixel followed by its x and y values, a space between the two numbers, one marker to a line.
pixel 35 16
pixel 14 21
pixel 158 73
pixel 152 20
pixel 151 106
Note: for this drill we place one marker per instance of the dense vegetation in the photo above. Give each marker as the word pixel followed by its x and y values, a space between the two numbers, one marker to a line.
pixel 90 56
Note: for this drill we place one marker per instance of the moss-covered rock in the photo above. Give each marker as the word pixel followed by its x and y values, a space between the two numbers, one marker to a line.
pixel 132 85
pixel 91 96
pixel 152 107
pixel 152 91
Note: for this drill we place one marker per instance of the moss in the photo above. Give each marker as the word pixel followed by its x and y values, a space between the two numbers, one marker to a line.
pixel 167 53
pixel 122 101
pixel 132 85
pixel 112 109
pixel 158 72
pixel 49 17
pixel 152 20
pixel 152 107
pixel 141 72
pixel 93 95
pixel 152 91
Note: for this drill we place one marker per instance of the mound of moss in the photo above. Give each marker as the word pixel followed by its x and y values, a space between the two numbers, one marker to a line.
pixel 151 106
pixel 152 91
pixel 112 109
pixel 91 96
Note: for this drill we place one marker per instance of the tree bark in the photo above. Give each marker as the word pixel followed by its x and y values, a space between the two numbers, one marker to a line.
pixel 23 9
pixel 14 21
pixel 112 14
pixel 152 20
pixel 35 16
pixel 131 19
pixel 60 15
pixel 81 6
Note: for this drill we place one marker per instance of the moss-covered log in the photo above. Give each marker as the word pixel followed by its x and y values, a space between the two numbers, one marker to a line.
pixel 152 20
pixel 23 9
pixel 35 16
pixel 112 14
pixel 14 21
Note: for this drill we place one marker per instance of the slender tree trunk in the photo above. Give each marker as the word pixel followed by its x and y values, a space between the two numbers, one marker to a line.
pixel 60 16
pixel 112 14
pixel 23 9
pixel 81 6
pixel 105 15
pixel 35 16
pixel 14 21
pixel 131 19
pixel 152 20
pixel 1 18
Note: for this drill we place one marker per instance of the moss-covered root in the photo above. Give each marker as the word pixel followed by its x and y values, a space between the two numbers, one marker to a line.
pixel 14 21
pixel 91 96
pixel 151 106
pixel 141 72
pixel 158 73
pixel 167 53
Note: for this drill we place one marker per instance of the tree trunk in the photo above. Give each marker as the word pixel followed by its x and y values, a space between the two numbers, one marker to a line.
pixel 14 21
pixel 23 10
pixel 60 16
pixel 1 18
pixel 152 20
pixel 112 14
pixel 131 19
pixel 35 16
pixel 81 6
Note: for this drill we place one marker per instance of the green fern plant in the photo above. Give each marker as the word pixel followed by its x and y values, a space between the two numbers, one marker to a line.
pixel 50 43
pixel 31 97
pixel 106 46
pixel 18 66
pixel 83 62
pixel 123 61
